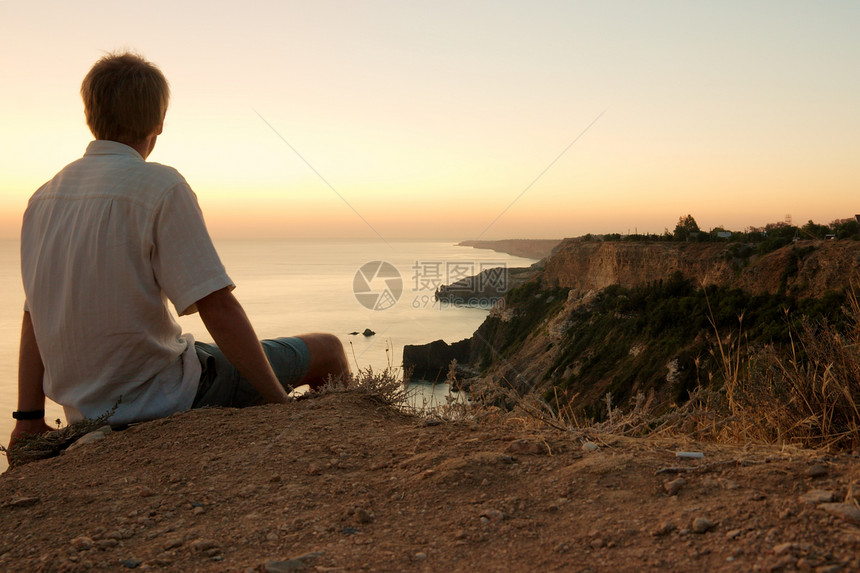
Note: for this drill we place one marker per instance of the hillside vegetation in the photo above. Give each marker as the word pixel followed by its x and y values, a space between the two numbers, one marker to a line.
pixel 766 341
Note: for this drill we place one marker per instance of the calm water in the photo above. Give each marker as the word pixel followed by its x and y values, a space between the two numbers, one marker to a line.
pixel 291 287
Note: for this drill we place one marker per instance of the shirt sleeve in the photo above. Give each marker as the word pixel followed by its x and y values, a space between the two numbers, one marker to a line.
pixel 184 260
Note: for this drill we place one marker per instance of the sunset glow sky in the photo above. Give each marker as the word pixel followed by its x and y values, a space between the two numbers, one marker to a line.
pixel 430 118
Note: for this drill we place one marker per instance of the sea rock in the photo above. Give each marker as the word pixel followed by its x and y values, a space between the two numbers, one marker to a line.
pixel 431 361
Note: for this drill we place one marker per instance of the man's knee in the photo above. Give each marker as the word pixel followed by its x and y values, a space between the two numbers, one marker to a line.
pixel 328 358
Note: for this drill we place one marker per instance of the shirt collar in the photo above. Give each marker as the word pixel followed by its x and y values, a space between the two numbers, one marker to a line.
pixel 107 147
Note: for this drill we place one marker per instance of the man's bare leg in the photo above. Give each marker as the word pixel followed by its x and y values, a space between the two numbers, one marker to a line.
pixel 328 359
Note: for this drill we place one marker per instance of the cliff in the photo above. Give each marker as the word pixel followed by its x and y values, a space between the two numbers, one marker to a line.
pixel 630 318
pixel 591 266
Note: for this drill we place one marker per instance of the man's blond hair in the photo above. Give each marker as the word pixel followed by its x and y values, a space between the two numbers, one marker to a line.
pixel 125 98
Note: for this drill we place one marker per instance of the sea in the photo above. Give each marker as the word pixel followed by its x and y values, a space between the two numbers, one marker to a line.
pixel 290 287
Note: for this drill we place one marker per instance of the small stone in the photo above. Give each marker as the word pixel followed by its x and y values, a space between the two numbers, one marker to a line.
pixel 89 438
pixel 597 543
pixel 589 447
pixel 106 543
pixel 783 548
pixel 493 515
pixel 363 516
pixel 528 447
pixel 204 544
pixel 702 525
pixel 420 555
pixel 131 563
pixel 733 534
pixel 83 543
pixel 816 471
pixel 22 501
pixel 145 491
pixel 816 496
pixel 664 529
pixel 368 332
pixel 847 511
pixel 172 543
pixel 198 510
pixel 674 486
pixel 296 564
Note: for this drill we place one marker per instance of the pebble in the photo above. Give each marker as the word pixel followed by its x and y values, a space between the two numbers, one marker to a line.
pixel 21 501
pixel 702 525
pixel 589 447
pixel 847 511
pixel 289 565
pixel 132 563
pixel 815 496
pixel 204 544
pixel 734 533
pixel 528 447
pixel 83 543
pixel 783 548
pixel 106 543
pixel 363 516
pixel 172 543
pixel 94 436
pixel 816 471
pixel 674 486
pixel 664 529
pixel 493 515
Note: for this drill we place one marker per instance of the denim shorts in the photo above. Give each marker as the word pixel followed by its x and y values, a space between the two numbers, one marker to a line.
pixel 222 385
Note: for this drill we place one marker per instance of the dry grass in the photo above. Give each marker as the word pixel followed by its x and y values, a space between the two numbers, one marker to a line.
pixel 807 395
pixel 34 447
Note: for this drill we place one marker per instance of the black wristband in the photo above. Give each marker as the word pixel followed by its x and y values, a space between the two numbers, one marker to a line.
pixel 28 414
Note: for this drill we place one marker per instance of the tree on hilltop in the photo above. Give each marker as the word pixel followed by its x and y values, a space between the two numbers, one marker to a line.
pixel 686 226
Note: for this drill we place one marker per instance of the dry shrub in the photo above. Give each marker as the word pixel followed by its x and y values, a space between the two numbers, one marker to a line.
pixel 807 394
pixel 384 386
pixel 32 447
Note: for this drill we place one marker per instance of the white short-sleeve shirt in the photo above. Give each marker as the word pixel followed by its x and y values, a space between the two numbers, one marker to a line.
pixel 104 245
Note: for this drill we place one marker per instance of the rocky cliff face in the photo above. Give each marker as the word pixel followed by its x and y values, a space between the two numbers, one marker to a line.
pixel 807 268
pixel 557 331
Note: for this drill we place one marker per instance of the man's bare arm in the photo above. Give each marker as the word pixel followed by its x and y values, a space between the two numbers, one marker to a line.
pixel 229 326
pixel 31 370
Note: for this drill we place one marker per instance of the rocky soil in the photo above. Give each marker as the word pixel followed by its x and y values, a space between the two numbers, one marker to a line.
pixel 342 482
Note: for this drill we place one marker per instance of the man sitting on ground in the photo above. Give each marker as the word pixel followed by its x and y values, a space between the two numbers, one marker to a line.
pixel 104 245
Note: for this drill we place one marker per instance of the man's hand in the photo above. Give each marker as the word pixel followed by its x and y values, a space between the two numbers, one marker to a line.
pixel 32 427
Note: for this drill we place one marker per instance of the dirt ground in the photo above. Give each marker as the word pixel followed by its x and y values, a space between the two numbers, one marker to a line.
pixel 342 482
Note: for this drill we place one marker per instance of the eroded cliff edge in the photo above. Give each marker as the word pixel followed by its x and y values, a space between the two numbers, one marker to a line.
pixel 636 317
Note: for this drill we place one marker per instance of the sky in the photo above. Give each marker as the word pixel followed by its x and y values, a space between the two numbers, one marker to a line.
pixel 459 120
